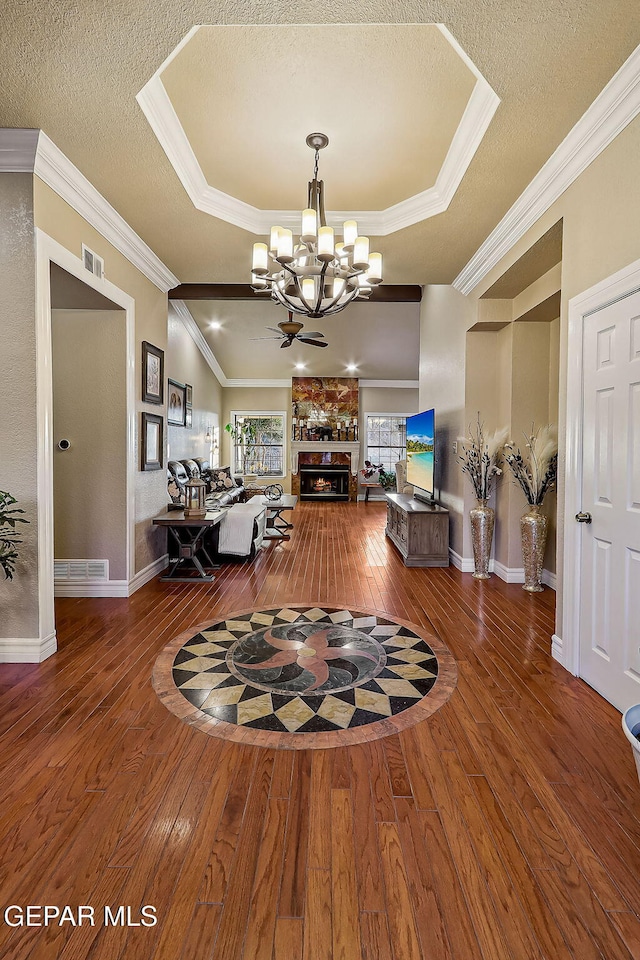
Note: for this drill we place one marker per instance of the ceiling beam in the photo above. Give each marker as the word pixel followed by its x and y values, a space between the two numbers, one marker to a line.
pixel 385 293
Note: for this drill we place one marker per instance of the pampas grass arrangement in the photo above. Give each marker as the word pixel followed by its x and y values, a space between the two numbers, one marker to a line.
pixel 480 458
pixel 537 470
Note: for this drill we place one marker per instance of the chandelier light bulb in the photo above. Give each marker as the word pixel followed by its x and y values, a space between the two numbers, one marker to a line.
pixel 273 240
pixel 375 268
pixel 309 290
pixel 258 283
pixel 338 287
pixel 350 232
pixel 309 226
pixel 325 244
pixel 260 259
pixel 284 249
pixel 361 253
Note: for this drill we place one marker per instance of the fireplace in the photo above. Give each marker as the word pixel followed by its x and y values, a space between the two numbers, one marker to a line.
pixel 324 481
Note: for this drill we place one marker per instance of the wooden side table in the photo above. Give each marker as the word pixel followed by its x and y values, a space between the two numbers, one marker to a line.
pixel 185 544
pixel 369 486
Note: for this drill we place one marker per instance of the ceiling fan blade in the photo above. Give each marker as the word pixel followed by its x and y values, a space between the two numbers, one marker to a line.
pixel 265 338
pixel 311 333
pixel 315 343
pixel 285 343
pixel 274 329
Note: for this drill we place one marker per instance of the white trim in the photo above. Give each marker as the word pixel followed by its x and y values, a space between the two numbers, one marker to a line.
pixel 392 384
pixel 148 573
pixel 550 579
pixel 27 649
pixel 180 311
pixel 91 588
pixel 615 107
pixel 620 284
pixel 557 649
pixel 262 413
pixel 18 150
pixel 258 383
pixel 49 250
pixel 48 162
pixel 464 564
pixel 507 574
pixel 165 123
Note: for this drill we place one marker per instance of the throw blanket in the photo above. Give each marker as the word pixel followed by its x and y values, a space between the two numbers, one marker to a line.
pixel 236 530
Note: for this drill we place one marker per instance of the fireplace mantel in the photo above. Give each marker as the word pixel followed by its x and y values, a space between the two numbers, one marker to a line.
pixel 326 446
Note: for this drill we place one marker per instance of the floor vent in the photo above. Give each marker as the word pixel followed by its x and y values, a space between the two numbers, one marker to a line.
pixel 71 570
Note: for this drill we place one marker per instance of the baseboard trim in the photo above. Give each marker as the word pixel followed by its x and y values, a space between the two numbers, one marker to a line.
pixel 148 573
pixel 464 564
pixel 91 588
pixel 508 574
pixel 27 649
pixel 557 649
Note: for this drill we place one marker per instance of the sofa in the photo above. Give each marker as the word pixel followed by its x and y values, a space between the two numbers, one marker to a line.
pixel 222 487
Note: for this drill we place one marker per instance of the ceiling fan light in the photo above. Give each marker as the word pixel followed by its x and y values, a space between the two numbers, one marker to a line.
pixel 325 244
pixel 375 268
pixel 361 253
pixel 309 226
pixel 260 254
pixel 350 232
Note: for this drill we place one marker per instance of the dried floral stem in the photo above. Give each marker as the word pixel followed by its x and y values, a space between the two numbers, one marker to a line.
pixel 480 459
pixel 536 472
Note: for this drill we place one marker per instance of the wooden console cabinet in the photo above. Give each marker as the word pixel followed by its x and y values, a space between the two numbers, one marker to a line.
pixel 419 530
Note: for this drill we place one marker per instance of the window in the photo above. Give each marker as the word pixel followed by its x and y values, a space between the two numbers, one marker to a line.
pixel 386 439
pixel 258 442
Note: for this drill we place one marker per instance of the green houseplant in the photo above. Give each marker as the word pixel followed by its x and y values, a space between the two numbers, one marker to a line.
pixel 9 538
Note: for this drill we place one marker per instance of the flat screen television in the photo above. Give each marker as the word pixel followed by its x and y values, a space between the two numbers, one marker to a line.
pixel 421 454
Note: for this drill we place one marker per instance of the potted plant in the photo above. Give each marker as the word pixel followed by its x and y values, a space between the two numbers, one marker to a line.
pixel 536 473
pixel 480 460
pixel 9 539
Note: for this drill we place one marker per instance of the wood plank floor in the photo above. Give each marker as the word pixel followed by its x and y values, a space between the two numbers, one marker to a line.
pixel 504 827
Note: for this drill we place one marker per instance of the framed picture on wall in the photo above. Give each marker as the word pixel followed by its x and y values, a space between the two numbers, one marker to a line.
pixel 177 403
pixel 188 414
pixel 151 441
pixel 152 373
pixel 189 394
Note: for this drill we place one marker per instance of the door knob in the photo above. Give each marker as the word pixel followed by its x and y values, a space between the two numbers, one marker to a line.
pixel 584 517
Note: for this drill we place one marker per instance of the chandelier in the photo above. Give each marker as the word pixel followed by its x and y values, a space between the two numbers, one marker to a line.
pixel 315 276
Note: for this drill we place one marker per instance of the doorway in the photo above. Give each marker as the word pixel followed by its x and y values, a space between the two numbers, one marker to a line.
pixel 602 512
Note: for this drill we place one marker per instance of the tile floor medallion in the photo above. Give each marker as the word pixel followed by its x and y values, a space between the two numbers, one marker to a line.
pixel 304 676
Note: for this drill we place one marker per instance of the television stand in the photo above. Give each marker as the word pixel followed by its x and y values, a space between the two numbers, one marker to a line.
pixel 419 530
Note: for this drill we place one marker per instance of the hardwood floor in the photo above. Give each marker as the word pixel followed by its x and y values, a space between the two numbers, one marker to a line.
pixel 506 826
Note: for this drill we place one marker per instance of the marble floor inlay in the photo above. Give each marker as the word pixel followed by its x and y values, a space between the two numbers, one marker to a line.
pixel 271 676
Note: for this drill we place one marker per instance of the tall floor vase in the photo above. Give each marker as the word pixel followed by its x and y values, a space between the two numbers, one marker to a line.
pixel 482 518
pixel 533 527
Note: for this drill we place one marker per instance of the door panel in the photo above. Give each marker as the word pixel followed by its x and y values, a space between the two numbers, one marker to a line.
pixel 610 545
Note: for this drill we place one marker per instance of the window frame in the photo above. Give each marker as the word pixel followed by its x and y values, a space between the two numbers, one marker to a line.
pixel 395 415
pixel 233 414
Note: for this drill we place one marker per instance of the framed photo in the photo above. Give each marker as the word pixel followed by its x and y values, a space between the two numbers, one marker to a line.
pixel 188 415
pixel 152 373
pixel 189 396
pixel 177 403
pixel 151 441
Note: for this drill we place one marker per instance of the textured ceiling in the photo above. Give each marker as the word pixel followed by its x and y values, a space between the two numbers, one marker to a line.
pixel 74 69
pixel 383 340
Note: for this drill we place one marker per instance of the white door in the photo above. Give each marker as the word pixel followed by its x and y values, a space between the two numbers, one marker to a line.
pixel 610 544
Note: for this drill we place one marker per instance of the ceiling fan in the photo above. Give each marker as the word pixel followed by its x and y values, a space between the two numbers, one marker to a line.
pixel 289 330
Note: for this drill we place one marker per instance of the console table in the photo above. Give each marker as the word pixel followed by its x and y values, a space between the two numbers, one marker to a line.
pixel 186 544
pixel 419 530
pixel 277 526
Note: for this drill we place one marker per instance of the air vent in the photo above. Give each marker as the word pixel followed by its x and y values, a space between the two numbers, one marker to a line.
pixel 92 262
pixel 73 570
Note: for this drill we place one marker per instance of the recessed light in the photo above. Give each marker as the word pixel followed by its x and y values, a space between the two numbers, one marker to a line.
pixel 214 325
pixel 351 367
pixel 300 366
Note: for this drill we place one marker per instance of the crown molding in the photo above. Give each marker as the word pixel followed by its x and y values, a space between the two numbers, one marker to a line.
pixel 392 384
pixel 18 150
pixel 179 310
pixel 615 107
pixel 165 123
pixel 31 151
pixel 59 173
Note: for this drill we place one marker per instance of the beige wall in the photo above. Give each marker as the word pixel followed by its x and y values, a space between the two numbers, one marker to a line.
pixel 18 474
pixel 89 409
pixel 402 400
pixel 272 399
pixel 445 317
pixel 185 363
pixel 57 219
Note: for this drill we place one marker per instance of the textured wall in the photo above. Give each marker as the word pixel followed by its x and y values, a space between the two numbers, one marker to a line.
pixel 19 597
pixel 89 409
pixel 60 221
